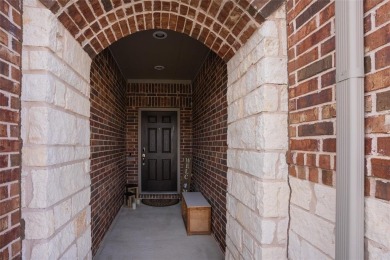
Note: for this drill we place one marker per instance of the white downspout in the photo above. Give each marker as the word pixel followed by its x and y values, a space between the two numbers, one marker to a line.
pixel 350 130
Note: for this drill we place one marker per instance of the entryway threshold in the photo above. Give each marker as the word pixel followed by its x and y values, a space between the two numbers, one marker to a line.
pixel 159 192
pixel 160 195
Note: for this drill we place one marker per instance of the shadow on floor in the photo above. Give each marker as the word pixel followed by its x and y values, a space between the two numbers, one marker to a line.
pixel 149 233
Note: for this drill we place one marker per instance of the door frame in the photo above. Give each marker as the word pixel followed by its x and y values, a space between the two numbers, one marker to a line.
pixel 158 109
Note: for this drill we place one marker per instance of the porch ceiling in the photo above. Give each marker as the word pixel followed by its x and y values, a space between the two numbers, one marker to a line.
pixel 137 54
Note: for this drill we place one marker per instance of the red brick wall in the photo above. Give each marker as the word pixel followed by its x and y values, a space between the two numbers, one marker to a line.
pixel 312 112
pixel 311 69
pixel 311 76
pixel 10 142
pixel 209 140
pixel 157 95
pixel 377 98
pixel 108 146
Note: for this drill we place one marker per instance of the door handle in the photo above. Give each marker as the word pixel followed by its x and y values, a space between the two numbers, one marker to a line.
pixel 143 156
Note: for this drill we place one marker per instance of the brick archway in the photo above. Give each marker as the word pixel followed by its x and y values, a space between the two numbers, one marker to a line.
pixel 223 26
pixel 59 44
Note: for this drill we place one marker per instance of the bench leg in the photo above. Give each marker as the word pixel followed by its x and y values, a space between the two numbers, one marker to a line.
pixel 129 201
pixel 135 191
pixel 133 202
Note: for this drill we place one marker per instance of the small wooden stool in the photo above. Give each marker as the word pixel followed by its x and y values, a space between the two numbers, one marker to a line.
pixel 129 198
pixel 134 189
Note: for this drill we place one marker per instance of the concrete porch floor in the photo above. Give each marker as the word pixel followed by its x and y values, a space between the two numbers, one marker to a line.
pixel 149 233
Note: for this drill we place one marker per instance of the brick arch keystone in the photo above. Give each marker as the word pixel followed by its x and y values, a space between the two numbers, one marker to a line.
pixel 222 25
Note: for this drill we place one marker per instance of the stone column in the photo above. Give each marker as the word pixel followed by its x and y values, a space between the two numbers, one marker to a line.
pixel 55 133
pixel 258 193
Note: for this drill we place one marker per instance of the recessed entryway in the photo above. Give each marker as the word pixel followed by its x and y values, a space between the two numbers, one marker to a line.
pixel 228 114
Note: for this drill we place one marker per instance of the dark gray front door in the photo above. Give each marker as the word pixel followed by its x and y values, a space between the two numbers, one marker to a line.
pixel 159 151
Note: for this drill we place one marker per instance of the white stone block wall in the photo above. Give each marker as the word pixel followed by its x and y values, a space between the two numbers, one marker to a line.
pixel 312 220
pixel 312 226
pixel 258 193
pixel 56 139
pixel 377 228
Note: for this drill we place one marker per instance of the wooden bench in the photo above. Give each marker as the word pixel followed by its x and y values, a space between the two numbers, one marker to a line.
pixel 196 213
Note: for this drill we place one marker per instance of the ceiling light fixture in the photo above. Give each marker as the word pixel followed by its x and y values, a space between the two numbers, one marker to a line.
pixel 159 67
pixel 159 35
